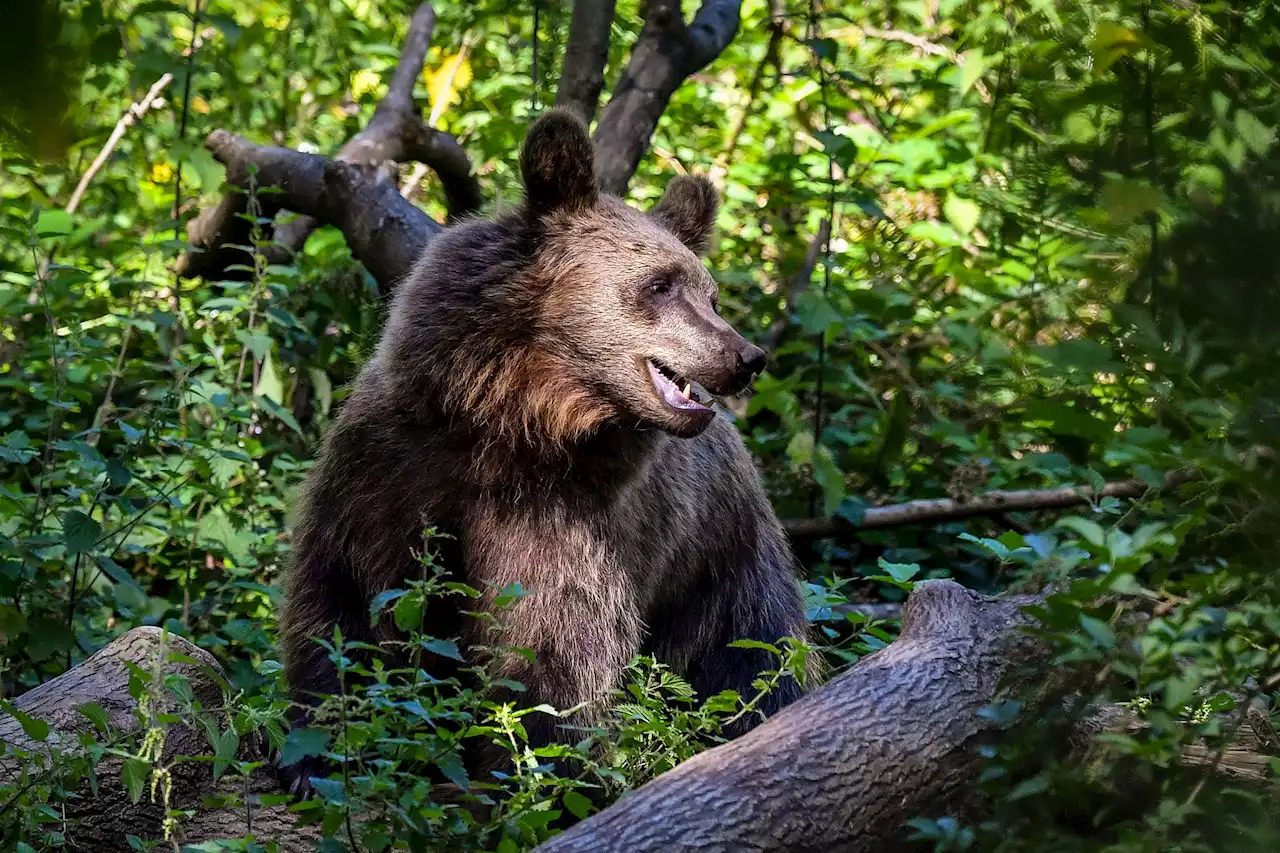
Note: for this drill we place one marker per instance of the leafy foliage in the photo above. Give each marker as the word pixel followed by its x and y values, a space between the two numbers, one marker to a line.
pixel 1050 264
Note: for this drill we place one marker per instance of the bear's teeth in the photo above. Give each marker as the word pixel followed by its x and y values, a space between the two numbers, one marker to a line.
pixel 685 390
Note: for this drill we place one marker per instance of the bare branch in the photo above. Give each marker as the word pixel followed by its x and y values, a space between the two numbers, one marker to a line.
pixel 667 52
pixel 135 112
pixel 939 510
pixel 395 133
pixel 799 284
pixel 585 57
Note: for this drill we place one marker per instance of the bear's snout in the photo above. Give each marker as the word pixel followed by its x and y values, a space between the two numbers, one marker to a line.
pixel 751 362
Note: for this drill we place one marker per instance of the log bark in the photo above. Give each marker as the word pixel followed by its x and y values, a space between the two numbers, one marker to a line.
pixel 396 133
pixel 668 51
pixel 844 768
pixel 894 738
pixel 100 822
pixel 940 510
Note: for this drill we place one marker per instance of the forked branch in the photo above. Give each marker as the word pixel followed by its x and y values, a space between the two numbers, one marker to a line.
pixel 668 51
pixel 396 133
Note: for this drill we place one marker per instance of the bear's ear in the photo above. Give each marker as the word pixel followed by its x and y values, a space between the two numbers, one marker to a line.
pixel 558 164
pixel 688 209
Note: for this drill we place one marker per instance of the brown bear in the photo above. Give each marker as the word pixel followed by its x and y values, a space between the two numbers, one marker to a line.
pixel 542 394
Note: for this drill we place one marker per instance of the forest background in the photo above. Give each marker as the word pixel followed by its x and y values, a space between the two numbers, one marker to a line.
pixel 1016 245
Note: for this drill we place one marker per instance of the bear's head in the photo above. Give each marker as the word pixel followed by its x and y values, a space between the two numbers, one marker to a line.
pixel 627 307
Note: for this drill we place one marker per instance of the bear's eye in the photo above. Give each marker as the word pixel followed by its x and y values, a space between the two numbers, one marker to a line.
pixel 660 286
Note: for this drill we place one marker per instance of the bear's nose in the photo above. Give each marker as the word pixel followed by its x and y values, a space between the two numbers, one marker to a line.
pixel 751 361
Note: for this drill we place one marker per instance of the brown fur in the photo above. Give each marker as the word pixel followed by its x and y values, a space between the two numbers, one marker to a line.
pixel 509 404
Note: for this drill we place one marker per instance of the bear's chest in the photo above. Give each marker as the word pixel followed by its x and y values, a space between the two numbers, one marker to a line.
pixel 561 548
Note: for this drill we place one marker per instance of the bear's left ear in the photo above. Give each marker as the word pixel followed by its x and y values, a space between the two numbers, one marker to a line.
pixel 558 164
pixel 688 209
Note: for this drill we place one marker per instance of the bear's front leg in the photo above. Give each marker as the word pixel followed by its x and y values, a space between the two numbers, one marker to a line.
pixel 577 615
pixel 752 596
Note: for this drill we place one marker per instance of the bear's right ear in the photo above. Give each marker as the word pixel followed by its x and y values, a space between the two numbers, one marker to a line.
pixel 558 164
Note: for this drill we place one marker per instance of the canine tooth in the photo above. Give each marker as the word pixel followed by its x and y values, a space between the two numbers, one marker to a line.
pixel 685 390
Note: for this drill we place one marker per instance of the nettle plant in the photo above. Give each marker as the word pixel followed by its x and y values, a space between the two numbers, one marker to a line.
pixel 397 735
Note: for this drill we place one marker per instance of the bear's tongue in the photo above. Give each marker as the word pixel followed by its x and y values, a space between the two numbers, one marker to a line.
pixel 671 393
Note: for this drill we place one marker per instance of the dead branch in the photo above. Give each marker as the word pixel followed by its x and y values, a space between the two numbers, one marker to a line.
pixel 940 510
pixel 134 113
pixel 395 133
pixel 667 52
pixel 799 284
pixel 585 56
pixel 385 231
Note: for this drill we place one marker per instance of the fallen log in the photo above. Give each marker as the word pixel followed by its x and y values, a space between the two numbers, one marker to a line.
pixel 842 770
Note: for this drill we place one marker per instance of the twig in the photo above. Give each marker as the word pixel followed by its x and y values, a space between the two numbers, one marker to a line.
pixel 777 29
pixel 925 46
pixel 799 284
pixel 939 510
pixel 413 184
pixel 134 113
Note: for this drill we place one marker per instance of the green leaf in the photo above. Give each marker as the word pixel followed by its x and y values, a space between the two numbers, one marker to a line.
pixel 1255 134
pixel 115 571
pixel 408 612
pixel 1029 787
pixel 303 743
pixel 259 345
pixel 323 388
pixel 281 414
pixel 444 648
pixel 1126 199
pixel 96 714
pixel 830 479
pixel 1111 41
pixel 961 213
pixel 17 448
pixel 975 65
pixel 332 791
pixel 1090 531
pixel 37 730
pixel 900 572
pixel 269 384
pixel 54 223
pixel 118 475
pixel 578 805
pixel 451 766
pixel 1100 631
pixel 79 532
pixel 135 773
pixel 815 312
pixel 382 599
pixel 800 448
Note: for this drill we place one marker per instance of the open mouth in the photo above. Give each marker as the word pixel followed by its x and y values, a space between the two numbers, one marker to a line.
pixel 676 391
